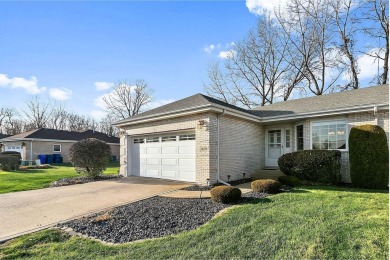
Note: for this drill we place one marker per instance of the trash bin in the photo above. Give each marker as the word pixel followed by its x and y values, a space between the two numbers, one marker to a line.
pixel 42 158
pixel 49 159
pixel 56 158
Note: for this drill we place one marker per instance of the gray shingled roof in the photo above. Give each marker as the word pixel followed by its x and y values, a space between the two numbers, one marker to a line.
pixel 185 103
pixel 328 102
pixel 45 133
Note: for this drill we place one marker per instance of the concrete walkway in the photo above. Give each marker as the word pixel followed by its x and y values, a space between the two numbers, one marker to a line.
pixel 185 194
pixel 27 211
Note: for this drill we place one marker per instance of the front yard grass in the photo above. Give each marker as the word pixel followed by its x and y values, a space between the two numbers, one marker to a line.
pixel 40 178
pixel 308 223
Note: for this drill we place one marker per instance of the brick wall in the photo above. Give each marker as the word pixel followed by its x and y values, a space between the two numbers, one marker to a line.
pixel 241 147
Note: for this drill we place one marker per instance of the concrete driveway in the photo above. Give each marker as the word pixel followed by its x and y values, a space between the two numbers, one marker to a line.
pixel 27 211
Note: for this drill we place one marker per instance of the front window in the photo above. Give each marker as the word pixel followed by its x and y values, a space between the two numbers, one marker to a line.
pixel 329 135
pixel 57 148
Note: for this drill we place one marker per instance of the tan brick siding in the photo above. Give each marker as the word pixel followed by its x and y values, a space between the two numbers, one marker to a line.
pixel 241 147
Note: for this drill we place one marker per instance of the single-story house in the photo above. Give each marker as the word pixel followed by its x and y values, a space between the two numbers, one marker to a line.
pixel 50 141
pixel 201 139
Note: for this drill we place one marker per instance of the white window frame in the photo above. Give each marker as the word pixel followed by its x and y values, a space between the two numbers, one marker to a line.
pixel 54 151
pixel 327 122
pixel 296 136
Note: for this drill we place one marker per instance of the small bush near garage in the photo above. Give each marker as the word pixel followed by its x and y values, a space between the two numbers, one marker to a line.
pixel 90 157
pixel 12 153
pixel 369 157
pixel 312 165
pixel 225 194
pixel 9 163
pixel 266 186
pixel 291 181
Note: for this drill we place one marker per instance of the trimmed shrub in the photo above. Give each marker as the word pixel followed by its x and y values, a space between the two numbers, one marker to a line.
pixel 90 157
pixel 369 157
pixel 9 163
pixel 12 153
pixel 289 181
pixel 267 186
pixel 225 194
pixel 312 165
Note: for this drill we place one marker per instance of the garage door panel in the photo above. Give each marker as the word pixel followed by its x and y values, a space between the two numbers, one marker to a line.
pixel 152 161
pixel 169 162
pixel 168 174
pixel 169 150
pixel 152 150
pixel 186 162
pixel 187 175
pixel 190 149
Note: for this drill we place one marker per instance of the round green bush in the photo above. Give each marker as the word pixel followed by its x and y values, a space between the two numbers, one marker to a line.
pixel 225 194
pixel 369 157
pixel 312 165
pixel 267 186
pixel 90 156
pixel 9 163
pixel 289 180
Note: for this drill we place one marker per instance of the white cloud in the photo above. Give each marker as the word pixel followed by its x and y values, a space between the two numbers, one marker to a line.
pixel 226 54
pixel 261 7
pixel 29 85
pixel 158 103
pixel 99 102
pixel 60 93
pixel 210 48
pixel 102 85
pixel 368 66
pixel 98 114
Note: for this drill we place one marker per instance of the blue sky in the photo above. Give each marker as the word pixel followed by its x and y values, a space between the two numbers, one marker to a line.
pixel 62 49
pixel 71 45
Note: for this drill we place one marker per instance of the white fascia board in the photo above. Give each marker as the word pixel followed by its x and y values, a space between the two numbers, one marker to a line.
pixel 334 112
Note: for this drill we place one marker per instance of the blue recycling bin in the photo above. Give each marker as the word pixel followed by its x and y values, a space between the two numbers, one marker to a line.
pixel 56 158
pixel 49 158
pixel 42 158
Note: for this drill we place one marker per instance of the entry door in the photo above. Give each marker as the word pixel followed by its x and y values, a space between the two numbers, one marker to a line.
pixel 273 147
pixel 278 142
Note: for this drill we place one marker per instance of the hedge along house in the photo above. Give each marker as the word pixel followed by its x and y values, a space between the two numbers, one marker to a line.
pixel 50 141
pixel 204 140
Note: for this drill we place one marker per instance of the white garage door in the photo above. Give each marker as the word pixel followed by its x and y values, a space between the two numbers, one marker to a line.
pixel 168 157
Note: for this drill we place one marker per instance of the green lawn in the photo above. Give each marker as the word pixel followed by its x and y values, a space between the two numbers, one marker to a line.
pixel 41 178
pixel 309 223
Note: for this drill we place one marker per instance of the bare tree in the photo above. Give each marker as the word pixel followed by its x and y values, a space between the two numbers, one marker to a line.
pixel 79 123
pixel 376 16
pixel 58 118
pixel 308 25
pixel 256 72
pixel 5 113
pixel 38 112
pixel 127 99
pixel 14 126
pixel 105 125
pixel 345 22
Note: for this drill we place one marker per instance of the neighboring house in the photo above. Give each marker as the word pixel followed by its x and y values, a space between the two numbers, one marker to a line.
pixel 201 139
pixel 50 141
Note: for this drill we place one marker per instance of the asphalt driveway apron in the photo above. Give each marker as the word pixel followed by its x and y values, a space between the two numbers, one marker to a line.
pixel 27 211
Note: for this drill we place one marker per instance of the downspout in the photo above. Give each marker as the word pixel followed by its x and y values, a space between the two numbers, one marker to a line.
pixel 31 144
pixel 218 149
pixel 376 114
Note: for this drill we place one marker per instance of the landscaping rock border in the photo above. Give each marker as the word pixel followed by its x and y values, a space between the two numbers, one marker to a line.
pixel 81 180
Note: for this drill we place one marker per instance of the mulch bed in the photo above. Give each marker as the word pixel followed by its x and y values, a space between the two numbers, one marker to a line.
pixel 151 218
pixel 81 180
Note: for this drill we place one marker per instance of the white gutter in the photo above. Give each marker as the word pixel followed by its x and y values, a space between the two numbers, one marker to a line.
pixel 218 149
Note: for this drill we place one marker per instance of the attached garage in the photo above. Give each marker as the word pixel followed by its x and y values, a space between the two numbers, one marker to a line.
pixel 168 157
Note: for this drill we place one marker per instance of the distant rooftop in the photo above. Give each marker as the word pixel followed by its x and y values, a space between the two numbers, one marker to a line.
pixel 52 134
